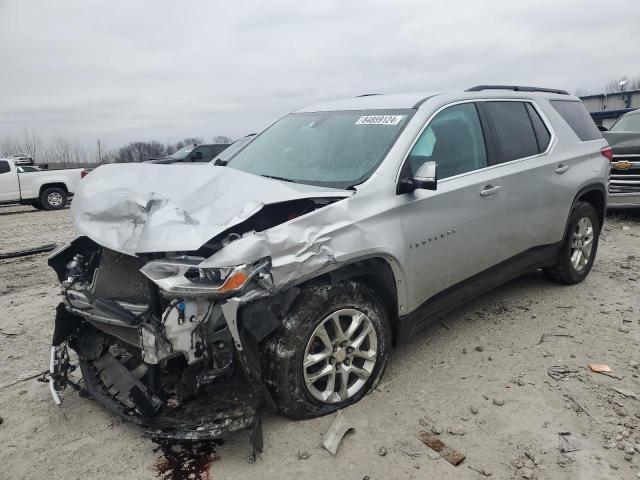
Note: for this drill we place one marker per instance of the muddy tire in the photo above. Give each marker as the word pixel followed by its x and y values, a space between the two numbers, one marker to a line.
pixel 332 349
pixel 580 246
pixel 53 198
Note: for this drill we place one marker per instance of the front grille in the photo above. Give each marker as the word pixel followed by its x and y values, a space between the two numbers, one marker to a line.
pixel 625 180
pixel 118 278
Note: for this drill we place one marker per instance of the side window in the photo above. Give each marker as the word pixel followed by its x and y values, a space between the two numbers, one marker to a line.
pixel 453 140
pixel 542 134
pixel 576 115
pixel 4 166
pixel 512 130
pixel 207 154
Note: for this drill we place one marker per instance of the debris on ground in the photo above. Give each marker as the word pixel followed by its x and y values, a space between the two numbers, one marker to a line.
pixel 625 393
pixel 565 445
pixel 303 454
pixel 406 449
pixel 449 454
pixel 481 471
pixel 456 430
pixel 581 407
pixel 498 402
pixel 382 451
pixel 545 335
pixel 336 432
pixel 603 368
pixel 28 251
pixel 560 372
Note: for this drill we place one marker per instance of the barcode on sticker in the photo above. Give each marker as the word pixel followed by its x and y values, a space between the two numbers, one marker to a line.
pixel 379 120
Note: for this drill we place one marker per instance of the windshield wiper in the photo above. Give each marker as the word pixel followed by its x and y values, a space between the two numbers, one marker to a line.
pixel 279 178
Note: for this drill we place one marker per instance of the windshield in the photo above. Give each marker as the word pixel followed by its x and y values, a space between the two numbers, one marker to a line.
pixel 333 149
pixel 233 148
pixel 627 123
pixel 182 153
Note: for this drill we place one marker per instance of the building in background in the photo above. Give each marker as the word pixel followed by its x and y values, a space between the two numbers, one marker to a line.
pixel 605 108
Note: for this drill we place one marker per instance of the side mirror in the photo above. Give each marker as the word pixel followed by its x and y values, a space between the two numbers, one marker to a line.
pixel 425 178
pixel 602 129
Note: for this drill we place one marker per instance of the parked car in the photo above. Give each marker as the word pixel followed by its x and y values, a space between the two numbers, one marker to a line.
pixel 624 138
pixel 199 297
pixel 44 189
pixel 193 153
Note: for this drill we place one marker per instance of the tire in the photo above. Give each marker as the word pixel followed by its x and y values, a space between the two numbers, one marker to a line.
pixel 53 198
pixel 286 349
pixel 565 270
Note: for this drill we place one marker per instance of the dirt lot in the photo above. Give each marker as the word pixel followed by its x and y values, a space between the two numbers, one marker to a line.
pixel 480 377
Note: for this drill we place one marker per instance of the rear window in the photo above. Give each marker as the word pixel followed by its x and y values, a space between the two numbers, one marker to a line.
pixel 542 134
pixel 4 166
pixel 512 129
pixel 576 115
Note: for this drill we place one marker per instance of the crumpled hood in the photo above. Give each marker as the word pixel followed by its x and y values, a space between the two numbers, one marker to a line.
pixel 142 208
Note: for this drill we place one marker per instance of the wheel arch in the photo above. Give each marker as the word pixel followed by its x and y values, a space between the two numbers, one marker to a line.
pixel 60 185
pixel 376 273
pixel 594 194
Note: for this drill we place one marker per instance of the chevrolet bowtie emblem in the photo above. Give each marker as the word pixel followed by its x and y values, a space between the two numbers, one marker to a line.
pixel 622 165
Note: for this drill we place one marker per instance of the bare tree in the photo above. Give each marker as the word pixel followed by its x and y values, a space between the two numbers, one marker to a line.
pixel 581 92
pixel 28 143
pixel 222 139
pixel 140 151
pixel 613 85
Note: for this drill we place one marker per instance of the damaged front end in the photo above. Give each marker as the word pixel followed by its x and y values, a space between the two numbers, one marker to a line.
pixel 160 341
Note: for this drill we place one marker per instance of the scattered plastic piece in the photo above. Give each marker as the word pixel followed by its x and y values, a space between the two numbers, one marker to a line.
pixel 336 432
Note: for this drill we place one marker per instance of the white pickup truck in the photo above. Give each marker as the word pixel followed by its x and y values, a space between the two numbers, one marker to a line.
pixel 44 189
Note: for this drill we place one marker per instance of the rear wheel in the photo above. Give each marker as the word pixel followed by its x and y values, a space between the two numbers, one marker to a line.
pixel 580 245
pixel 332 349
pixel 53 198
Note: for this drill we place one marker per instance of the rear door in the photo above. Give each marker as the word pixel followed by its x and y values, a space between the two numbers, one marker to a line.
pixel 519 141
pixel 9 186
pixel 453 232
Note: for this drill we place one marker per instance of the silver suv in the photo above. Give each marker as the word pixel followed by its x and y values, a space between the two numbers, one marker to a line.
pixel 282 276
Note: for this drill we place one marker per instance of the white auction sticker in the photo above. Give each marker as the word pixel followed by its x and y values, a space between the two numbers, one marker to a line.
pixel 380 120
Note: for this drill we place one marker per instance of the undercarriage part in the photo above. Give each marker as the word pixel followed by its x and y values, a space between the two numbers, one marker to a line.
pixel 114 309
pixel 124 387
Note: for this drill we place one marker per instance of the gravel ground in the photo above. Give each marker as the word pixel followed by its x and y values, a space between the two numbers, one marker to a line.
pixel 480 377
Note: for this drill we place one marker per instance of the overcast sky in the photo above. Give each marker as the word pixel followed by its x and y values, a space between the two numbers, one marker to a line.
pixel 133 70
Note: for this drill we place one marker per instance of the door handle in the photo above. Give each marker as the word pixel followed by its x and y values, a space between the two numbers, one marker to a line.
pixel 489 190
pixel 562 168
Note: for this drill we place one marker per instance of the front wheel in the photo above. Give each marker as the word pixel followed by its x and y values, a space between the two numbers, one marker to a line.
pixel 332 349
pixel 580 245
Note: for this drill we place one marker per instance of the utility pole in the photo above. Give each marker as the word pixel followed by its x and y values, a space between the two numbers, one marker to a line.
pixel 99 153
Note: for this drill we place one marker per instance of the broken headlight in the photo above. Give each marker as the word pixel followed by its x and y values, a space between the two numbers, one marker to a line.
pixel 183 275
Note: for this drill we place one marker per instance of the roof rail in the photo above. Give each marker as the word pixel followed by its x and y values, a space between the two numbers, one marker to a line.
pixel 515 88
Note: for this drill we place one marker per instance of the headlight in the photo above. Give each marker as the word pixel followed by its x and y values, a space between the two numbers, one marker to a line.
pixel 182 275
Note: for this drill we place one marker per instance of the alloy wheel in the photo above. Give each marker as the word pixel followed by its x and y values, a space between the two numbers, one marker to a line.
pixel 582 244
pixel 340 356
